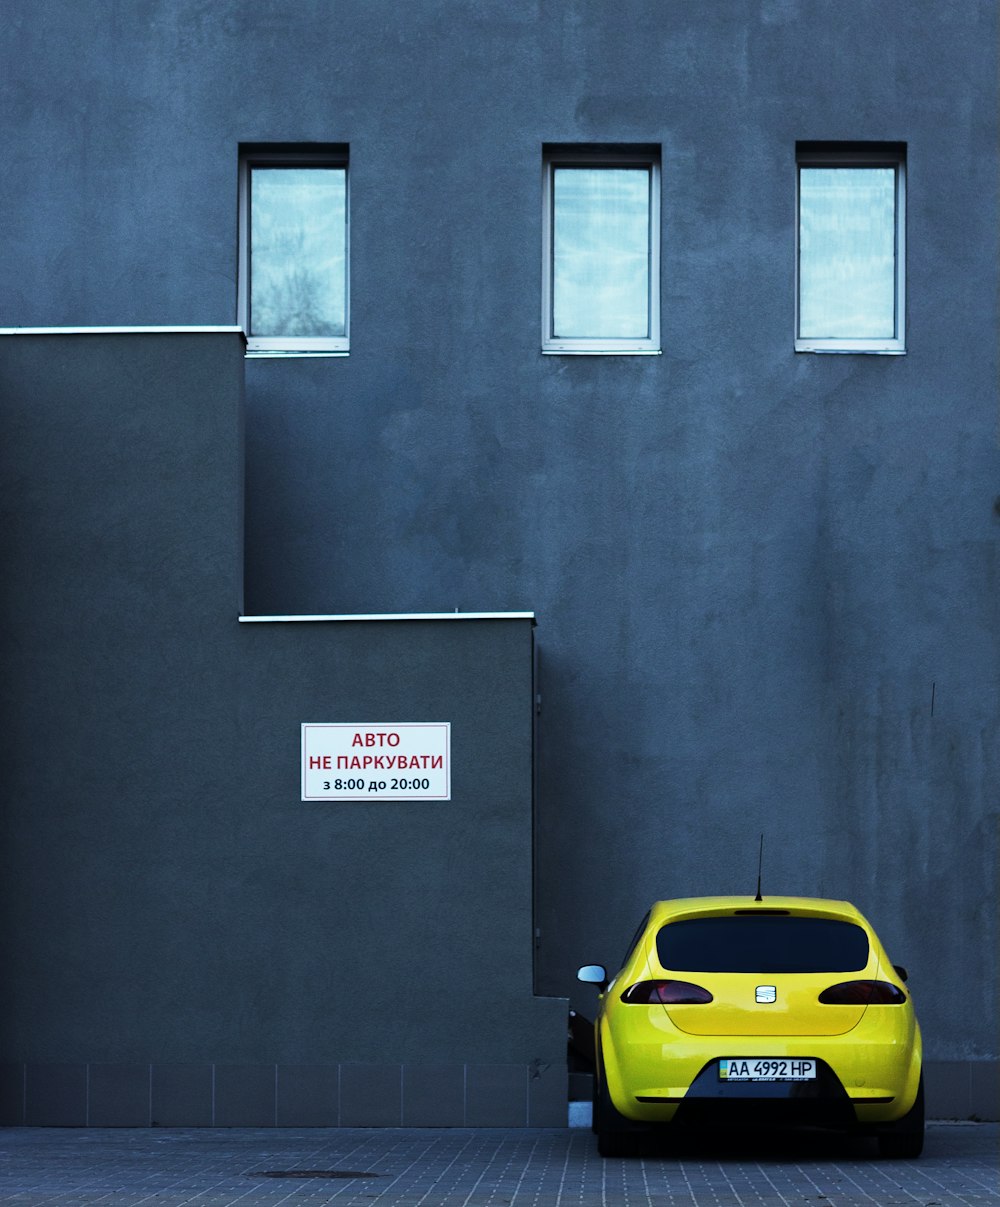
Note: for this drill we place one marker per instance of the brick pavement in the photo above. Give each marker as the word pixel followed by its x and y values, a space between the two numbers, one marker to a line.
pixel 482 1168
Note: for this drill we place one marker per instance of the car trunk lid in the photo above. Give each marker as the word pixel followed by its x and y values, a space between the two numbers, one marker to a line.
pixel 752 1004
pixel 765 971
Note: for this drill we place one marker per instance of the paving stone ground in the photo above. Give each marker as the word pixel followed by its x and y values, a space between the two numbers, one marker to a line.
pixel 461 1167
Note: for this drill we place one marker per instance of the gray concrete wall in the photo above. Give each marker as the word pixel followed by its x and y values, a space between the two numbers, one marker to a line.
pixel 755 569
pixel 184 939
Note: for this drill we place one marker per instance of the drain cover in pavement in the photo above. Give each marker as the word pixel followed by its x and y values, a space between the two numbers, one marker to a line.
pixel 312 1173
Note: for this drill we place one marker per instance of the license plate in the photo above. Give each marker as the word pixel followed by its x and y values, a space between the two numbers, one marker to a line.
pixel 766 1069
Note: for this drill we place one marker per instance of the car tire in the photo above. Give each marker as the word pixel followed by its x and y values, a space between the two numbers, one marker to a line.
pixel 617 1136
pixel 904 1139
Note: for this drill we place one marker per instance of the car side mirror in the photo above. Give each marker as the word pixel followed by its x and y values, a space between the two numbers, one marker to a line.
pixel 593 974
pixel 900 971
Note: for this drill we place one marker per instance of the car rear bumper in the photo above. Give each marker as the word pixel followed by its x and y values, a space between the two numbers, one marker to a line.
pixel 822 1101
pixel 861 1077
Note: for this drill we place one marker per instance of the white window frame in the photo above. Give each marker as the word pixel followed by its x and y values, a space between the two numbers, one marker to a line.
pixel 600 157
pixel 848 155
pixel 287 345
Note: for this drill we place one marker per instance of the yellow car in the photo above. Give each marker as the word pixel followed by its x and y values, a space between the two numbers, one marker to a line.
pixel 730 1009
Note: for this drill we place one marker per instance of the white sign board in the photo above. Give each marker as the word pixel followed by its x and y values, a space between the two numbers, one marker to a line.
pixel 408 760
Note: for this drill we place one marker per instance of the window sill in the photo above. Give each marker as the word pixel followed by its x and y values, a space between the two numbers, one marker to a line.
pixel 855 349
pixel 284 354
pixel 602 352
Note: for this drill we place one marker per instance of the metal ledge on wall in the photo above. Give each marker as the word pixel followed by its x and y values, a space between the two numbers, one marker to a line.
pixel 231 330
pixel 390 616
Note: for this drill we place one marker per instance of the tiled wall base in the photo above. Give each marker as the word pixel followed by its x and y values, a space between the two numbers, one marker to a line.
pixel 963 1089
pixel 347 1095
pixel 954 1089
pixel 359 1095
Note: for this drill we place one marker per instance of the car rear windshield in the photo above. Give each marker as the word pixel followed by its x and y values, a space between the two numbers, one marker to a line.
pixel 745 943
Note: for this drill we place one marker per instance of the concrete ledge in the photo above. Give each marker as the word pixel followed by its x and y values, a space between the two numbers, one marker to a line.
pixel 963 1089
pixel 225 1095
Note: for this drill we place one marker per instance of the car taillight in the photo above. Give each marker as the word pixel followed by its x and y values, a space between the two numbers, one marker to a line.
pixel 667 993
pixel 863 993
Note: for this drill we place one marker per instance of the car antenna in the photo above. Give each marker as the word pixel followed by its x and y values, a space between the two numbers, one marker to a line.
pixel 760 865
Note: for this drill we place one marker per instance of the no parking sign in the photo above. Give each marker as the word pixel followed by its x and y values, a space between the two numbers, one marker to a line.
pixel 407 760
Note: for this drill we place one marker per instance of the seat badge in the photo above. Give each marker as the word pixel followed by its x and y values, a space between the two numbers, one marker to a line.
pixel 766 993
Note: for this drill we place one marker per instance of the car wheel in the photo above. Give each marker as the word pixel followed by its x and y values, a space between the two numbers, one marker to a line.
pixel 617 1136
pixel 904 1139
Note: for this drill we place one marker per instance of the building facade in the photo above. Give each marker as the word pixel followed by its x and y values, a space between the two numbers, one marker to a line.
pixel 620 385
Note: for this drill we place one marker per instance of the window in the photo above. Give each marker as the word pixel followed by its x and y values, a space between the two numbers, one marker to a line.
pixel 601 277
pixel 293 280
pixel 762 944
pixel 850 247
pixel 640 931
